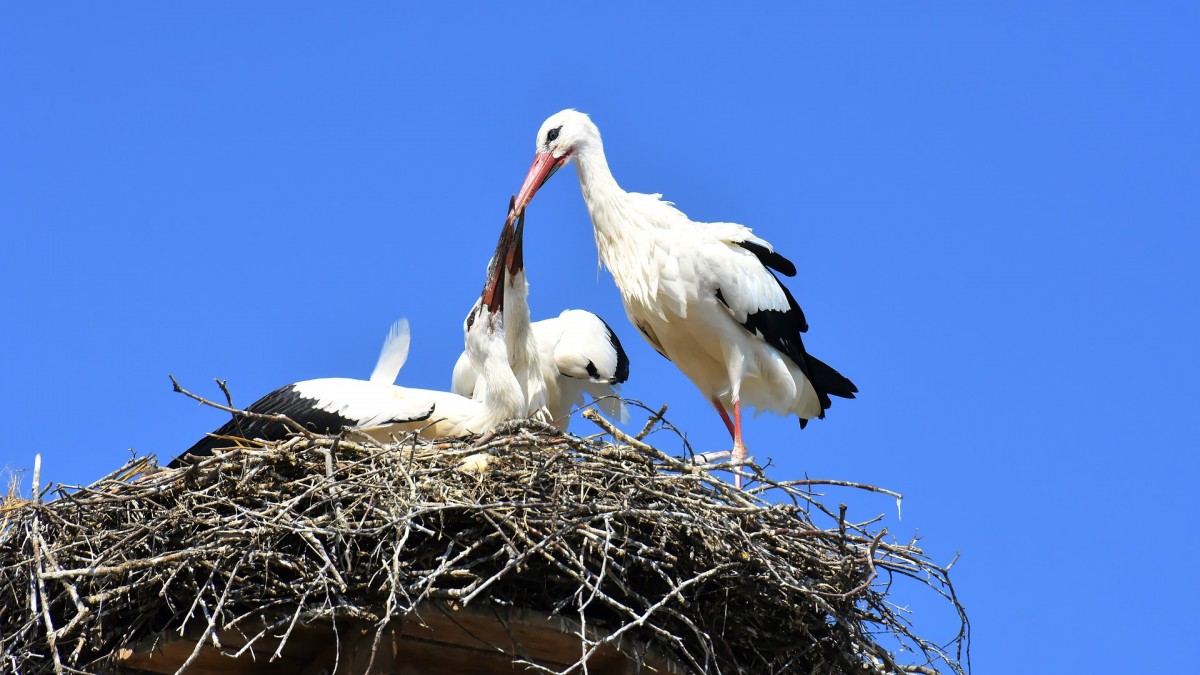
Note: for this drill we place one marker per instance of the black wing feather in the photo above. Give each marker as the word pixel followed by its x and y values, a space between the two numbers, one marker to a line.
pixel 769 258
pixel 622 372
pixel 283 401
pixel 782 329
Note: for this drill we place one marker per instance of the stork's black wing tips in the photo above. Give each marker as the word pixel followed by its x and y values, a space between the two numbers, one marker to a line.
pixel 770 258
pixel 828 381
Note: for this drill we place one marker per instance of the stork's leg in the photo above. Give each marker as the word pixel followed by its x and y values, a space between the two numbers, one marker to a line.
pixel 735 431
pixel 739 448
pixel 724 415
pixel 706 457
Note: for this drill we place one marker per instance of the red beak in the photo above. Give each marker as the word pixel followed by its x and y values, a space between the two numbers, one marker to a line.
pixel 515 262
pixel 493 289
pixel 544 166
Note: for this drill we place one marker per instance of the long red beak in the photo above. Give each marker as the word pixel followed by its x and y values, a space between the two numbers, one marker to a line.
pixel 515 262
pixel 493 289
pixel 544 166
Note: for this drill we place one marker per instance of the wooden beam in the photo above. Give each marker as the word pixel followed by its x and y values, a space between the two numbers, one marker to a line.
pixel 436 640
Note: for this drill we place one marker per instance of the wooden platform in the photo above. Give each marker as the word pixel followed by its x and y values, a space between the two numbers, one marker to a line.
pixel 433 641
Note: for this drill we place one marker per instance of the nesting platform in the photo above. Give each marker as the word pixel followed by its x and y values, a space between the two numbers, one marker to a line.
pixel 528 551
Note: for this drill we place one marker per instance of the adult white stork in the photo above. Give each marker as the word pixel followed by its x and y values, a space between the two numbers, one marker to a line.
pixel 578 353
pixel 702 294
pixel 380 409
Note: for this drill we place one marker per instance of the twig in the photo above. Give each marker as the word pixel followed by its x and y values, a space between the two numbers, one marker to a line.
pixel 282 419
pixel 651 421
pixel 636 549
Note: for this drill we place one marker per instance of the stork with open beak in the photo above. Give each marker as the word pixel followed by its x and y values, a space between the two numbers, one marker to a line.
pixel 578 354
pixel 704 295
pixel 555 360
pixel 382 410
pixel 527 347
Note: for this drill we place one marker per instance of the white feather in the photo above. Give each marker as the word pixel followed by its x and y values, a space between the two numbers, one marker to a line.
pixel 367 404
pixel 462 381
pixel 393 355
pixel 566 344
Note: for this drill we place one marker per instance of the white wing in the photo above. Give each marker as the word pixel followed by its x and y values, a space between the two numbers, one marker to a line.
pixel 359 403
pixel 393 355
pixel 463 381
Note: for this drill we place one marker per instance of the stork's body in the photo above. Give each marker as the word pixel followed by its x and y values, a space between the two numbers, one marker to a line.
pixel 578 353
pixel 382 410
pixel 703 294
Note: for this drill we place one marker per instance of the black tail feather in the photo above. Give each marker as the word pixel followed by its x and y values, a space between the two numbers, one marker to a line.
pixel 828 382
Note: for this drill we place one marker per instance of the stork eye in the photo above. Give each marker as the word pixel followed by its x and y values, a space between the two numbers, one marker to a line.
pixel 471 318
pixel 552 135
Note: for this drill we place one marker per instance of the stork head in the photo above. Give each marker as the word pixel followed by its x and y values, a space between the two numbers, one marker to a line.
pixel 561 136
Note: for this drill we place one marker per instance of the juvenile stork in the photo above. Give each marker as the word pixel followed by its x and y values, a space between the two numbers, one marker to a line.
pixel 702 294
pixel 577 353
pixel 380 409
pixel 522 344
pixel 555 360
pixel 527 347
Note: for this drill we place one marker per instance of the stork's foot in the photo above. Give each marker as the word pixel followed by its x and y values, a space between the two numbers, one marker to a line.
pixel 738 455
pixel 710 457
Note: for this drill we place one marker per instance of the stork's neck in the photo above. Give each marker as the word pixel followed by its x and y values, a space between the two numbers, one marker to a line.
pixel 595 178
pixel 501 394
pixel 623 236
pixel 522 345
pixel 605 203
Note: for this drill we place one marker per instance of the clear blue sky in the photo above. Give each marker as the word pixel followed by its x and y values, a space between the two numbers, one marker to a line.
pixel 994 211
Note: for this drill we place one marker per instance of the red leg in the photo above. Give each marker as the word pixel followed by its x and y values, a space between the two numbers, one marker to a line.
pixel 739 448
pixel 735 430
pixel 724 416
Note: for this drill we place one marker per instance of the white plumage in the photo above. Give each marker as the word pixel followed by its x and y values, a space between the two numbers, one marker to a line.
pixel 382 410
pixel 523 352
pixel 394 353
pixel 578 353
pixel 702 294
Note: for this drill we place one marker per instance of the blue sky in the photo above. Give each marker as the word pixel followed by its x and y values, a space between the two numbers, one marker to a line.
pixel 994 211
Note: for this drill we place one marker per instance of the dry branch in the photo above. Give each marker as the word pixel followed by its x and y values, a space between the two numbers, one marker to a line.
pixel 639 547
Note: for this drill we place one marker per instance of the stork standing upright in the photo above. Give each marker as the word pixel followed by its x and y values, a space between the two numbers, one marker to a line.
pixel 380 409
pixel 702 294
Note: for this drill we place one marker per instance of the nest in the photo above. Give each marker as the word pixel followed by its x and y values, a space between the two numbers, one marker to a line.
pixel 636 548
